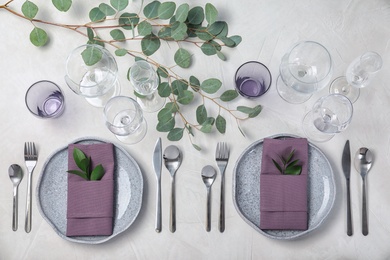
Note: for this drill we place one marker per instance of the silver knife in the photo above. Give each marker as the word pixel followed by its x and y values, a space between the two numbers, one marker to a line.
pixel 346 164
pixel 157 165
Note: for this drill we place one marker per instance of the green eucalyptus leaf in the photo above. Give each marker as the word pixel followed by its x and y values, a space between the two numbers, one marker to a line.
pixel 252 112
pixel 150 44
pixel 179 85
pixel 163 72
pixel 164 90
pixel 29 9
pixel 120 52
pixel 211 13
pixel 165 33
pixel 97 173
pixel 62 5
pixel 210 86
pixel 90 34
pixel 96 15
pixel 182 12
pixel 201 114
pixel 79 173
pixel 236 38
pixel 119 4
pixel 182 58
pixel 189 129
pixel 166 10
pixel 229 95
pixel 151 10
pixel 175 134
pixel 227 41
pixel 220 124
pixel 203 34
pixel 207 125
pixel 38 37
pixel 91 55
pixel 179 31
pixel 196 15
pixel 166 126
pixel 117 35
pixel 128 20
pixel 195 83
pixel 185 97
pixel 164 115
pixel 216 28
pixel 197 147
pixel 192 29
pixel 172 106
pixel 224 31
pixel 221 56
pixel 144 28
pixel 208 49
pixel 107 9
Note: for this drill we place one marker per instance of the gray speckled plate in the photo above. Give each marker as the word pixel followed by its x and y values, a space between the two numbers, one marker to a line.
pixel 52 192
pixel 246 189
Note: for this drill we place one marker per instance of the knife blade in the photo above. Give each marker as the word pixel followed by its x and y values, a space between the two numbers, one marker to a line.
pixel 346 165
pixel 157 165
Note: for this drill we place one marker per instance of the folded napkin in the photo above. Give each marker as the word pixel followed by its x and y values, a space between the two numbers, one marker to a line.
pixel 90 208
pixel 283 198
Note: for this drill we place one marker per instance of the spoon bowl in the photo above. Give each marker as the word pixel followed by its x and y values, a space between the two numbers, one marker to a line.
pixel 208 177
pixel 172 161
pixel 16 175
pixel 363 163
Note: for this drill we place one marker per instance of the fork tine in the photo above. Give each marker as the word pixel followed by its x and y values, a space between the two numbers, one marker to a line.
pixel 34 151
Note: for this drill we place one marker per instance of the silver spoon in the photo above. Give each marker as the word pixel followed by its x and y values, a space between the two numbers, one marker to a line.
pixel 208 177
pixel 363 162
pixel 172 160
pixel 16 175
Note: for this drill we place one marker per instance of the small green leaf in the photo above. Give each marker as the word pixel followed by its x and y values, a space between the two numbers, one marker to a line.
pixel 164 115
pixel 252 112
pixel 293 170
pixel 293 163
pixel 210 48
pixel 79 173
pixel 182 12
pixel 236 38
pixel 290 156
pixel 227 41
pixel 216 28
pixel 97 173
pixel 163 72
pixel 165 33
pixel 179 31
pixel 210 86
pixel 120 52
pixel 195 83
pixel 221 56
pixel 62 5
pixel 166 10
pixel 151 10
pixel 117 35
pixel 150 44
pixel 203 34
pixel 107 9
pixel 29 9
pixel 229 95
pixel 80 159
pixel 220 123
pixel 91 55
pixel 185 97
pixel 90 34
pixel 128 20
pixel 196 15
pixel 119 4
pixel 38 37
pixel 182 58
pixel 211 13
pixel 164 90
pixel 277 166
pixel 179 85
pixel 173 107
pixel 144 28
pixel 166 126
pixel 196 147
pixel 96 15
pixel 207 125
pixel 201 114
pixel 175 134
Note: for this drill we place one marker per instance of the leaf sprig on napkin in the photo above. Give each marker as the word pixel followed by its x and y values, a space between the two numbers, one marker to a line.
pixel 84 163
pixel 288 166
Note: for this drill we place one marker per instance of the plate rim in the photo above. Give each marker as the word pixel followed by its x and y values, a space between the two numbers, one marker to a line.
pixel 303 233
pixel 104 238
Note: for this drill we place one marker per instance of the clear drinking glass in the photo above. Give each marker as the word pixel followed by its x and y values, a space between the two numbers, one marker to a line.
pixel 305 69
pixel 44 99
pixel 91 72
pixel 124 118
pixel 359 75
pixel 145 81
pixel 330 115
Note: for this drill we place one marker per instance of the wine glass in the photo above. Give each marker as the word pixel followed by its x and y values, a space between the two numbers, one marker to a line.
pixel 124 118
pixel 145 82
pixel 305 69
pixel 91 72
pixel 331 114
pixel 359 75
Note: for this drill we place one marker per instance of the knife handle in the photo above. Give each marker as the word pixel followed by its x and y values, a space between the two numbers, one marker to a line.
pixel 349 215
pixel 158 207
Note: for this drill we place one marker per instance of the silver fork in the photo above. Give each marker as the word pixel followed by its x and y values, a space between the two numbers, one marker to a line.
pixel 30 157
pixel 222 158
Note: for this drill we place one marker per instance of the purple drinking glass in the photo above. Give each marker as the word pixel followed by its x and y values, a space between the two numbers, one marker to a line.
pixel 252 79
pixel 44 99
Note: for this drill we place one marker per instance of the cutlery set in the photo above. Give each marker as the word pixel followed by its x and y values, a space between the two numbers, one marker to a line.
pixel 173 157
pixel 16 175
pixel 363 162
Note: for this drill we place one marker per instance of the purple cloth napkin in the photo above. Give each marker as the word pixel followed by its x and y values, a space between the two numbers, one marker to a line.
pixel 90 208
pixel 283 198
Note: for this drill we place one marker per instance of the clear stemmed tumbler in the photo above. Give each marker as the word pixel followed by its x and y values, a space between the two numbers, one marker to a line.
pixel 145 82
pixel 304 70
pixel 359 75
pixel 331 114
pixel 124 118
pixel 91 71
